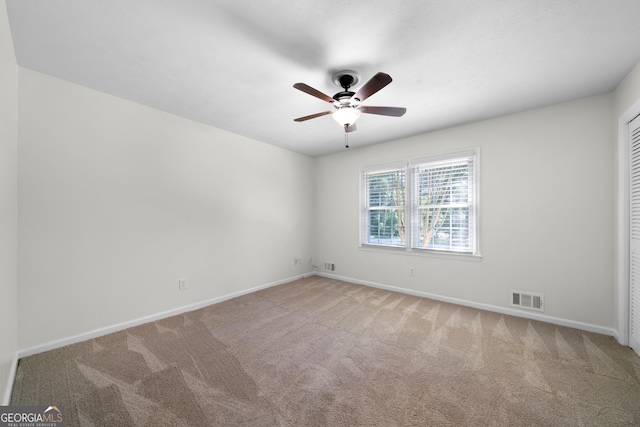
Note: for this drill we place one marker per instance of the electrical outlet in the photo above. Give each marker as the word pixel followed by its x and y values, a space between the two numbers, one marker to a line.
pixel 182 284
pixel 412 271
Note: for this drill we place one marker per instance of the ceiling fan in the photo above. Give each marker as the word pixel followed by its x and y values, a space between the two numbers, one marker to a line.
pixel 347 107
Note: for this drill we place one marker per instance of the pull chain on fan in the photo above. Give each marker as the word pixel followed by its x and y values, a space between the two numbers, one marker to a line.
pixel 346 137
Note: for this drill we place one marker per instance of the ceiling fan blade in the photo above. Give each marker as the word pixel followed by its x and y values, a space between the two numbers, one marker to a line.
pixel 351 128
pixel 374 84
pixel 313 92
pixel 312 116
pixel 384 111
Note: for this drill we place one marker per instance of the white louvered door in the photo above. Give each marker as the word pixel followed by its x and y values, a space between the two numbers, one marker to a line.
pixel 634 187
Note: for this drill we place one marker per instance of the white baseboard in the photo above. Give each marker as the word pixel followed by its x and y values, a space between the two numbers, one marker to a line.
pixel 136 322
pixel 494 308
pixel 12 377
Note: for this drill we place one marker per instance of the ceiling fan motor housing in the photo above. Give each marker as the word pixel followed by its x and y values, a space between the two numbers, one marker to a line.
pixel 342 95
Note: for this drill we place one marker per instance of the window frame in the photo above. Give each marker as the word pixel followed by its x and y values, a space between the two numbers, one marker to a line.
pixel 412 205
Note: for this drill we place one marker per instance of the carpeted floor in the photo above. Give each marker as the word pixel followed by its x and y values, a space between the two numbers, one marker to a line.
pixel 319 352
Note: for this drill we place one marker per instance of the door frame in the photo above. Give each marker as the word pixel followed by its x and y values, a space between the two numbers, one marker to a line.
pixel 623 222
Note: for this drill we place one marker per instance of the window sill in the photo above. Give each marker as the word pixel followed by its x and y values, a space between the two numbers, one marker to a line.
pixel 421 252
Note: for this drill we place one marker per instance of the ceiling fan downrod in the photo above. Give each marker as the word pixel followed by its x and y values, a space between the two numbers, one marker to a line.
pixel 346 81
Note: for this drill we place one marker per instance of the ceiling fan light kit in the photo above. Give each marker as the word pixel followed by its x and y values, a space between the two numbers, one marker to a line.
pixel 346 116
pixel 347 108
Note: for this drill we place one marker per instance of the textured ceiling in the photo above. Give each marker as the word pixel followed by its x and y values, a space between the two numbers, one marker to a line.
pixel 232 64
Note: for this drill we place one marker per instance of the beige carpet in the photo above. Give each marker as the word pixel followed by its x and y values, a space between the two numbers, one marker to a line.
pixel 319 352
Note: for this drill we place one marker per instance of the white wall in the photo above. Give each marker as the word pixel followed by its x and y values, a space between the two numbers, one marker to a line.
pixel 546 212
pixel 118 201
pixel 8 203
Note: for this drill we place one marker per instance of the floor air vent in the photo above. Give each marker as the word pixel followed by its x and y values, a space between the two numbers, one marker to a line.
pixel 527 300
pixel 329 266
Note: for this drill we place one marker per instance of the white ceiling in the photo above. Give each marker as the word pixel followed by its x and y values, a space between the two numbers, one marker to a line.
pixel 231 64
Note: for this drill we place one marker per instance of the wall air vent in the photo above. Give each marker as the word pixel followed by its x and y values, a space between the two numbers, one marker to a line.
pixel 527 300
pixel 329 266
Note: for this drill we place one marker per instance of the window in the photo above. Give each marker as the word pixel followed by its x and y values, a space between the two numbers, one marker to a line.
pixel 386 211
pixel 422 205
